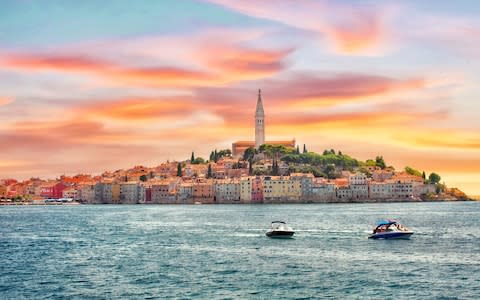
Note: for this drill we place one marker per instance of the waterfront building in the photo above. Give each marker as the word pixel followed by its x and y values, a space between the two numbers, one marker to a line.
pixel 115 193
pixel 86 193
pixel 423 189
pixel 130 192
pixel 204 191
pixel 52 190
pixel 323 190
pixel 239 147
pixel 3 191
pixel 257 190
pixel 358 186
pixel 246 189
pixel 103 193
pixel 344 193
pixel 185 192
pixel 164 192
pixel 70 192
pixel 281 189
pixel 227 191
pixel 306 182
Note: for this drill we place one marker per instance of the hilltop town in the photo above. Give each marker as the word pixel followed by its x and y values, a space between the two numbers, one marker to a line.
pixel 257 171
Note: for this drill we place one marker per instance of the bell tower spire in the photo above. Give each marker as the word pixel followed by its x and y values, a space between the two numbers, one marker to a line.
pixel 259 122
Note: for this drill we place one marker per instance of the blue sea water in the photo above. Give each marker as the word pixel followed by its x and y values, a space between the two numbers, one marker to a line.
pixel 221 252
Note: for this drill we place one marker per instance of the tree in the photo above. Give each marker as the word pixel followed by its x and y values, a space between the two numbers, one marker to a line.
pixel 215 156
pixel 198 161
pixel 192 158
pixel 212 156
pixel 297 150
pixel 179 170
pixel 304 148
pixel 434 178
pixel 330 171
pixel 326 152
pixel 248 156
pixel 340 153
pixel 143 178
pixel 424 176
pixel 412 171
pixel 209 172
pixel 379 162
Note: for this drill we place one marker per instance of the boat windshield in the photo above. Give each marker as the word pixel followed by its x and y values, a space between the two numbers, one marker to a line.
pixel 280 226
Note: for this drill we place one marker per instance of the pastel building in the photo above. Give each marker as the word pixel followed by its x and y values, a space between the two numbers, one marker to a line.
pixel 185 192
pixel 164 192
pixel 103 193
pixel 204 191
pixel 70 192
pixel 130 193
pixel 306 183
pixel 227 191
pixel 87 193
pixel 257 190
pixel 246 189
pixel 52 190
pixel 280 189
pixel 323 190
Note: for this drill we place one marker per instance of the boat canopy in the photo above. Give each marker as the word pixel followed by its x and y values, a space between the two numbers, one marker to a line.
pixel 386 222
pixel 279 222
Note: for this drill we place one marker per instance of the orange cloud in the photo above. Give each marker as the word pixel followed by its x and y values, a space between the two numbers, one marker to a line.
pixel 140 108
pixel 237 63
pixel 151 76
pixel 225 64
pixel 5 101
pixel 351 30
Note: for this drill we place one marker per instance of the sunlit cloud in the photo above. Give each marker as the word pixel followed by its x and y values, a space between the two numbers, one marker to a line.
pixel 5 100
pixel 349 29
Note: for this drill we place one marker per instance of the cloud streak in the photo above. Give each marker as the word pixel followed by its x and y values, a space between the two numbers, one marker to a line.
pixel 349 29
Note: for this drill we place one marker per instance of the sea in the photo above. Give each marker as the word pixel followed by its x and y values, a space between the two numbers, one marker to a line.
pixel 221 252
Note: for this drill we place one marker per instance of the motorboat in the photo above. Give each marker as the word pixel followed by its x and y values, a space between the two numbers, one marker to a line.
pixel 390 229
pixel 280 229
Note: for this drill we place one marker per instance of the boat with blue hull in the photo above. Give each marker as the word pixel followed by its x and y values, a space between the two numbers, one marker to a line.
pixel 390 229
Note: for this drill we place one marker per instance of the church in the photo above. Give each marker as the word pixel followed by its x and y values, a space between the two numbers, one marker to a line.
pixel 238 148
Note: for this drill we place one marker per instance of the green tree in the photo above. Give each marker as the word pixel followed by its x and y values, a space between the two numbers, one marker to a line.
pixel 209 172
pixel 424 176
pixel 304 148
pixel 412 171
pixel 192 158
pixel 332 151
pixel 143 178
pixel 212 156
pixel 297 150
pixel 199 161
pixel 330 171
pixel 434 178
pixel 379 162
pixel 179 170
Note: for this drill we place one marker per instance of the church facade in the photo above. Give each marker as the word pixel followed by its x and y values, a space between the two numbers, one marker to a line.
pixel 239 147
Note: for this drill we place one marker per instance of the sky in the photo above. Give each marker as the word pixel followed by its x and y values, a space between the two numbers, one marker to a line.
pixel 89 86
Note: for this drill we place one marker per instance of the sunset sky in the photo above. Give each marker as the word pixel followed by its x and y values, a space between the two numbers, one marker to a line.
pixel 89 86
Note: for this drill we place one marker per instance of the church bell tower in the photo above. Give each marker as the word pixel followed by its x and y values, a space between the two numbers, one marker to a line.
pixel 259 122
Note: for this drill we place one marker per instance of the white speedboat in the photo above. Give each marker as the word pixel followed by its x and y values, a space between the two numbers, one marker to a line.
pixel 390 229
pixel 280 229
